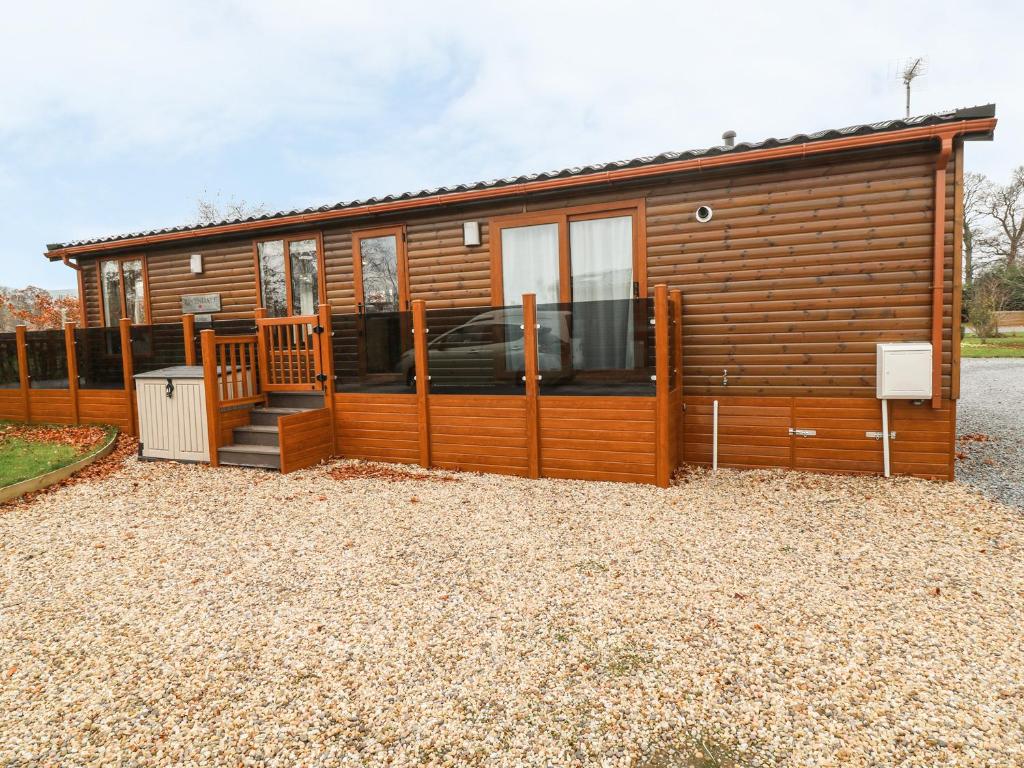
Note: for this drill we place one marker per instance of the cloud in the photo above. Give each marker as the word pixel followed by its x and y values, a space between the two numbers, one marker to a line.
pixel 538 76
pixel 115 112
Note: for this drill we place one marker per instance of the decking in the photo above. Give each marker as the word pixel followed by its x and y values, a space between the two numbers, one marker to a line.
pixel 522 391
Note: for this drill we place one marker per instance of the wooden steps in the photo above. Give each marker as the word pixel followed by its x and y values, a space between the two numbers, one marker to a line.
pixel 258 443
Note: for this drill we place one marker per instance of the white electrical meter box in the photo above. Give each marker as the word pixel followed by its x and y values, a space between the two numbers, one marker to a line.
pixel 904 371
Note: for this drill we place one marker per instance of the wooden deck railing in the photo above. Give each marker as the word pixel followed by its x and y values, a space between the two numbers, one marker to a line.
pixel 237 365
pixel 290 353
pixel 230 375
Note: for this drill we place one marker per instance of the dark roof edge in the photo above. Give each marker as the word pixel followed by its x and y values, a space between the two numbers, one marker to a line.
pixel 438 195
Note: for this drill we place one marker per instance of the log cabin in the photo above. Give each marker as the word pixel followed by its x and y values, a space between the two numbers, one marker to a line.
pixel 720 305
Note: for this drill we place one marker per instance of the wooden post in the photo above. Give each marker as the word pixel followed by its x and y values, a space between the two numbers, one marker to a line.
pixel 261 348
pixel 532 384
pixel 419 328
pixel 676 306
pixel 663 415
pixel 69 350
pixel 188 330
pixel 128 367
pixel 327 361
pixel 19 338
pixel 208 342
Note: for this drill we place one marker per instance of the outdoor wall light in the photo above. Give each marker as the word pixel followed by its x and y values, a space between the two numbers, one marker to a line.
pixel 471 233
pixel 196 263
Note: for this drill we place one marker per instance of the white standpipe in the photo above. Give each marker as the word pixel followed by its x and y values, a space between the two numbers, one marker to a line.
pixel 714 441
pixel 885 435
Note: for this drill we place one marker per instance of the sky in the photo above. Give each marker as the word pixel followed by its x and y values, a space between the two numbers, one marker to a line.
pixel 117 116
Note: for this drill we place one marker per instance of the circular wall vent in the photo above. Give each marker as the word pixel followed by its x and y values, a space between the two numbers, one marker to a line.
pixel 704 214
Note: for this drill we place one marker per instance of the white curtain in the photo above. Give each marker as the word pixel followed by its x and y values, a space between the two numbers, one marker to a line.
pixel 601 255
pixel 601 258
pixel 529 263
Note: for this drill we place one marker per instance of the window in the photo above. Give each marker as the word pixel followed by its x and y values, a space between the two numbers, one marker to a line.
pixel 289 275
pixel 530 263
pixel 589 260
pixel 379 267
pixel 123 290
pixel 589 253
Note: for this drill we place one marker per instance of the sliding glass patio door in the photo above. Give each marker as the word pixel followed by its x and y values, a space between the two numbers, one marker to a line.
pixel 531 263
pixel 586 263
pixel 601 267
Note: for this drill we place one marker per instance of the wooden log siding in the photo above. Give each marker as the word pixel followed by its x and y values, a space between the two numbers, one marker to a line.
pixel 338 268
pixel 91 292
pixel 228 269
pixel 806 265
pixel 800 273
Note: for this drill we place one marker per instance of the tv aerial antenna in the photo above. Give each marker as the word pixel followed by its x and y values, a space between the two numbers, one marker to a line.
pixel 908 71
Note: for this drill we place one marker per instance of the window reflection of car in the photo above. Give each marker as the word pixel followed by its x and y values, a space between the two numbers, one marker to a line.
pixel 490 345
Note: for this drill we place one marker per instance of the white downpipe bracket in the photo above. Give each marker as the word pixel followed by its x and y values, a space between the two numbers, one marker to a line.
pixel 885 436
pixel 714 439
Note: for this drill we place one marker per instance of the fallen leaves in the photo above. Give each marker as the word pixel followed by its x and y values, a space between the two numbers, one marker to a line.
pixel 80 437
pixel 366 471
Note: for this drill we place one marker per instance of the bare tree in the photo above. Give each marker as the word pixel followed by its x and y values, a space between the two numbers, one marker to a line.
pixel 977 189
pixel 988 299
pixel 1006 207
pixel 210 210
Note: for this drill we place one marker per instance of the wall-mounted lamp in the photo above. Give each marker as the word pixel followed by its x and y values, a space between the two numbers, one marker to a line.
pixel 196 263
pixel 471 233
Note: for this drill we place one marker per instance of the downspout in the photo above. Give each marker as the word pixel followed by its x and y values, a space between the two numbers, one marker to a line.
pixel 83 321
pixel 938 263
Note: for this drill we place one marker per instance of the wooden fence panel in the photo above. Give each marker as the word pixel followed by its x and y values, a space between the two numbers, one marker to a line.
pixel 52 406
pixel 479 433
pixel 598 438
pixel 377 427
pixel 306 438
pixel 12 405
pixel 103 406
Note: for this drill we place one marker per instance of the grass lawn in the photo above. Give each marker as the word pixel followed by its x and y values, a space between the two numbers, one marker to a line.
pixel 28 452
pixel 1009 345
pixel 22 459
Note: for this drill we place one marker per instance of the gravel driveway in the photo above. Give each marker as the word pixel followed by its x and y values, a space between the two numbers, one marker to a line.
pixel 992 405
pixel 177 615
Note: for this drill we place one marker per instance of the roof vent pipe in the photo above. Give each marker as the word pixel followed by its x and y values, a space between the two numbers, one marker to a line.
pixel 729 137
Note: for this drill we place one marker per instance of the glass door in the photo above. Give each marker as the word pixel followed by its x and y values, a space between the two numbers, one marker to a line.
pixel 380 270
pixel 530 263
pixel 601 267
pixel 381 281
pixel 582 265
pixel 289 276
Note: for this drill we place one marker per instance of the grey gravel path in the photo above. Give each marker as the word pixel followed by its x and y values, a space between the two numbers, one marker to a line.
pixel 992 404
